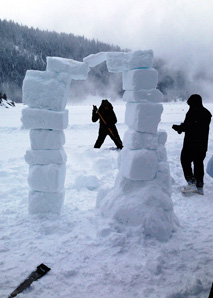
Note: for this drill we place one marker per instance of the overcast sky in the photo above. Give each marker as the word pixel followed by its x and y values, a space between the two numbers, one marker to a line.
pixel 180 30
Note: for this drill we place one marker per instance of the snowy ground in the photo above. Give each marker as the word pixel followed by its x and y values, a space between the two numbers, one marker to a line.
pixel 84 262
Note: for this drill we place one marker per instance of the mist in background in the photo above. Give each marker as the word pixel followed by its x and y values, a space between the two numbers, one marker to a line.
pixel 179 32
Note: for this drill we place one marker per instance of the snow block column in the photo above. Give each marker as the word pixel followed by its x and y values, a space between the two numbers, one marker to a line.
pixel 46 93
pixel 141 194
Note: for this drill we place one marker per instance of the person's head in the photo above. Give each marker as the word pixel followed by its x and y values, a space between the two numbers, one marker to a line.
pixel 195 100
pixel 105 104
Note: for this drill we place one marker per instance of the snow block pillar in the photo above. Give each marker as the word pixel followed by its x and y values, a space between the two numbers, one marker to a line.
pixel 46 93
pixel 141 193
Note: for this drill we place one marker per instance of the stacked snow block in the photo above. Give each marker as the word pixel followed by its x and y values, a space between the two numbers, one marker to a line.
pixel 46 93
pixel 141 194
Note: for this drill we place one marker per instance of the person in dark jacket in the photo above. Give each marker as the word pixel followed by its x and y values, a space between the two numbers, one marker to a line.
pixel 107 119
pixel 195 144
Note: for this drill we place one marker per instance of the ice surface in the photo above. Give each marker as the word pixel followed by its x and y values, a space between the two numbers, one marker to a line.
pixel 46 139
pixel 144 116
pixel 77 70
pixel 95 59
pixel 152 95
pixel 138 79
pixel 46 90
pixel 44 119
pixel 137 140
pixel 47 178
pixel 138 164
pixel 209 169
pixel 45 202
pixel 45 157
pixel 162 136
pixel 120 61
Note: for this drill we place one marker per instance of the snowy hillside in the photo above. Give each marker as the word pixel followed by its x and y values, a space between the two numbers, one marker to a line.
pixel 88 259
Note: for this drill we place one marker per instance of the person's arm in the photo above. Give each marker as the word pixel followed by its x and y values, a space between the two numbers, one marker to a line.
pixel 95 115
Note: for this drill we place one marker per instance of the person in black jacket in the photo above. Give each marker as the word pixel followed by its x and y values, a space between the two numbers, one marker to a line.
pixel 195 145
pixel 108 120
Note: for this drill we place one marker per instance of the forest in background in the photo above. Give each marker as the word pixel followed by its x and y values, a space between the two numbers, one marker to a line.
pixel 23 48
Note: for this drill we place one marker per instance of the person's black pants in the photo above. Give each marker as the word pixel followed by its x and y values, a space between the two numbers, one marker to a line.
pixel 103 132
pixel 189 157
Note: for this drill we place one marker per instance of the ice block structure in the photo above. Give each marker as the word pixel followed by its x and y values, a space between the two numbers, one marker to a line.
pixel 141 195
pixel 45 93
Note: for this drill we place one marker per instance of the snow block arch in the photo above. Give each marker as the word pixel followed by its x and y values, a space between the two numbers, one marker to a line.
pixel 141 194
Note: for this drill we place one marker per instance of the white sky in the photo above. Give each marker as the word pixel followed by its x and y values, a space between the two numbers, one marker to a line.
pixel 181 30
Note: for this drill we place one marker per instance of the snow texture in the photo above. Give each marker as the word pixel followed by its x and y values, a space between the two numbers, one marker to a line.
pixel 47 178
pixel 45 202
pixel 152 95
pixel 45 157
pixel 139 140
pixel 95 59
pixel 138 164
pixel 90 255
pixel 41 139
pixel 46 90
pixel 120 61
pixel 144 116
pixel 209 169
pixel 44 119
pixel 76 70
pixel 139 79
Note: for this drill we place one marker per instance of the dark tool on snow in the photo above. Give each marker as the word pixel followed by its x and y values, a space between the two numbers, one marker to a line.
pixel 35 275
pixel 109 128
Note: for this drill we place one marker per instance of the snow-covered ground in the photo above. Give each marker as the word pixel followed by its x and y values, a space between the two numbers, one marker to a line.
pixel 86 260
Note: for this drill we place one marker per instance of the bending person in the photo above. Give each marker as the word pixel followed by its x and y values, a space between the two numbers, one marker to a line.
pixel 107 121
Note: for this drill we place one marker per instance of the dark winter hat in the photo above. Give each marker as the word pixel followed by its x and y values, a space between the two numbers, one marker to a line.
pixel 105 102
pixel 195 100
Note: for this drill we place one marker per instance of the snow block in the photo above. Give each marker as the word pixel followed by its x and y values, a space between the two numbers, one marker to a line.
pixel 163 178
pixel 143 117
pixel 137 140
pixel 46 90
pixel 95 59
pixel 76 70
pixel 138 164
pixel 162 136
pixel 45 202
pixel 42 139
pixel 120 61
pixel 138 79
pixel 44 119
pixel 161 153
pixel 47 178
pixel 146 206
pixel 153 95
pixel 209 169
pixel 45 157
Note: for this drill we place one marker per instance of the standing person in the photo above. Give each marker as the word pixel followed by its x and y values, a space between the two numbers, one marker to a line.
pixel 195 145
pixel 108 120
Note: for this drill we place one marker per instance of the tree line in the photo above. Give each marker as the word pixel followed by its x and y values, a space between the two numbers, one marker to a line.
pixel 23 48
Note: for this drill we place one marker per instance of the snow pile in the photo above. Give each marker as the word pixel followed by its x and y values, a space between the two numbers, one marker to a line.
pixel 141 195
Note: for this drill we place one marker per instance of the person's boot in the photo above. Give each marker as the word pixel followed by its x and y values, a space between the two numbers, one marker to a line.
pixel 191 187
pixel 200 190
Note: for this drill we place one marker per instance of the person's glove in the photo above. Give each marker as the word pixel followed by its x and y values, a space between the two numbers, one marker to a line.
pixel 95 108
pixel 177 128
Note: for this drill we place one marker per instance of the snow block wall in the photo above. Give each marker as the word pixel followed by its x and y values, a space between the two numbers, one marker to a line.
pixel 141 195
pixel 46 93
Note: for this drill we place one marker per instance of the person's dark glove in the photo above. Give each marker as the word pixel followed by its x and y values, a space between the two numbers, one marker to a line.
pixel 95 108
pixel 177 128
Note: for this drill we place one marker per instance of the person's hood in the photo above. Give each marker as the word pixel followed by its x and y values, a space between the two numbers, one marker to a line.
pixel 105 102
pixel 195 101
